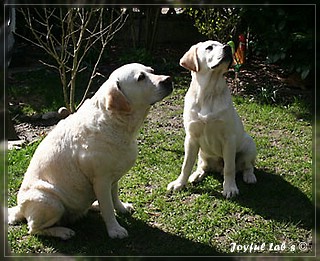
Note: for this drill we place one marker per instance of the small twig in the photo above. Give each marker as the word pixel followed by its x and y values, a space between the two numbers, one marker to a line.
pixel 80 29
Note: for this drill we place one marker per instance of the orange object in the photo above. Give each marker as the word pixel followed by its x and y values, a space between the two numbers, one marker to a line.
pixel 240 54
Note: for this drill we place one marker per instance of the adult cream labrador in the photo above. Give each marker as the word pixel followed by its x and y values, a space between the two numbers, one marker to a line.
pixel 213 128
pixel 85 155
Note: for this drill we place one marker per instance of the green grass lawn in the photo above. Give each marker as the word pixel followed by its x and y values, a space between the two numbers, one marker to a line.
pixel 276 212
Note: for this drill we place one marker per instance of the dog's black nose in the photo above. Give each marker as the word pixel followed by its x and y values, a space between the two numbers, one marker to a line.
pixel 227 48
pixel 228 54
pixel 167 80
pixel 167 83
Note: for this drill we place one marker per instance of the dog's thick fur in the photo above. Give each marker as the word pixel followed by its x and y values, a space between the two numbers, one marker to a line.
pixel 85 155
pixel 214 131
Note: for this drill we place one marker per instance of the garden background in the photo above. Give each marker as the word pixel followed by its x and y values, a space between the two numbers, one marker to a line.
pixel 273 92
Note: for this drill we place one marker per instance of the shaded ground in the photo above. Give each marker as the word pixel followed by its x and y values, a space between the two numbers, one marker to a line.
pixel 257 80
pixel 197 220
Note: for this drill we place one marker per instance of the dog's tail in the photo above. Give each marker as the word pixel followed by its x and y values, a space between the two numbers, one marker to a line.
pixel 15 215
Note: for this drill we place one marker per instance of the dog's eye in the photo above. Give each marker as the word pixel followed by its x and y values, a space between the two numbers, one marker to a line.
pixel 141 77
pixel 209 48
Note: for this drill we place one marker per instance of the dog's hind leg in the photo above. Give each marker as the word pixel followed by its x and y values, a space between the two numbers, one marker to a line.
pixel 245 161
pixel 15 215
pixel 42 216
pixel 248 175
pixel 206 164
pixel 200 172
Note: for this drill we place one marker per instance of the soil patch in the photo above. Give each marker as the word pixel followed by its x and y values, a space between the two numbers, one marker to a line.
pixel 265 82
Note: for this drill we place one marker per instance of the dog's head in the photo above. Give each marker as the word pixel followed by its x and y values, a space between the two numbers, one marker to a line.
pixel 136 86
pixel 208 55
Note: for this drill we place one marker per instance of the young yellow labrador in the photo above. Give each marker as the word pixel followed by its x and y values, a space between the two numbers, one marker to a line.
pixel 214 131
pixel 84 156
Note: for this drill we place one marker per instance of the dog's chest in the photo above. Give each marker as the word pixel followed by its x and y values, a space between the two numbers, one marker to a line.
pixel 109 157
pixel 210 128
pixel 213 136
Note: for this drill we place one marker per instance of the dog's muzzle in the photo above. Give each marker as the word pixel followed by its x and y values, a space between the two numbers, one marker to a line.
pixel 226 57
pixel 166 87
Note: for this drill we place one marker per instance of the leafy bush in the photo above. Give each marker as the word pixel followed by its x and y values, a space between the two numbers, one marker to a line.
pixel 216 23
pixel 138 55
pixel 281 34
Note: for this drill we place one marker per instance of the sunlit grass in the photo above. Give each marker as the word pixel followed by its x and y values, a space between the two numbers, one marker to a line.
pixel 197 220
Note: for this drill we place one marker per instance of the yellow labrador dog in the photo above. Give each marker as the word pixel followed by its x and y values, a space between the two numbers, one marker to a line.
pixel 85 155
pixel 214 131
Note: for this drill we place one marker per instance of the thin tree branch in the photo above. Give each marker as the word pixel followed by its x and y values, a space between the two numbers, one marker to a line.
pixel 80 30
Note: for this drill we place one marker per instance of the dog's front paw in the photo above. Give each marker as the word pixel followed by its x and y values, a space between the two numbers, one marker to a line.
pixel 230 190
pixel 117 232
pixel 175 185
pixel 249 177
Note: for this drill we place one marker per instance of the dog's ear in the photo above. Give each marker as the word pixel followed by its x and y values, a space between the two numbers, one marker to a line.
pixel 190 60
pixel 116 101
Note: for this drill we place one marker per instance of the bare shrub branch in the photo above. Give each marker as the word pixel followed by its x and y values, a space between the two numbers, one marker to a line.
pixel 67 36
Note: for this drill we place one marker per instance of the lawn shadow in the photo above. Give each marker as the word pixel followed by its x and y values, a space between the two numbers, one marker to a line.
pixel 91 239
pixel 274 198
